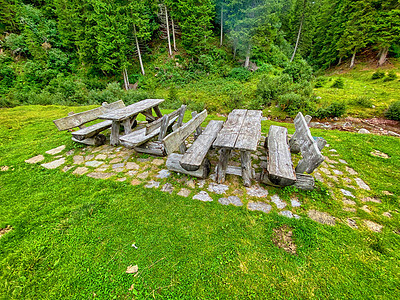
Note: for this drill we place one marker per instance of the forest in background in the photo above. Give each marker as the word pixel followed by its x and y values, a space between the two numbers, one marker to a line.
pixel 90 51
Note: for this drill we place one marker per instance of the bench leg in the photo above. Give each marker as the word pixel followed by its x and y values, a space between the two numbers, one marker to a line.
pixel 157 111
pixel 127 126
pixel 247 172
pixel 114 138
pixel 223 164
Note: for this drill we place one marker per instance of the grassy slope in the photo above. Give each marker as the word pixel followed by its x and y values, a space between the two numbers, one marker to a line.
pixel 72 235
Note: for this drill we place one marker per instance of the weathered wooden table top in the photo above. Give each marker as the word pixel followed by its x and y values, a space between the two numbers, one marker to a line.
pixel 130 110
pixel 241 131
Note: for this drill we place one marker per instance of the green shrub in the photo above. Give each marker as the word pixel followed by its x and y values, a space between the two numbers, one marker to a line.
pixel 269 87
pixel 362 101
pixel 339 83
pixel 292 103
pixel 236 100
pixel 299 70
pixel 320 82
pixel 172 101
pixel 391 76
pixel 393 112
pixel 378 75
pixel 241 74
pixel 336 109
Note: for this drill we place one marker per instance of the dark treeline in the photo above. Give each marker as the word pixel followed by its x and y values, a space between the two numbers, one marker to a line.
pixel 108 39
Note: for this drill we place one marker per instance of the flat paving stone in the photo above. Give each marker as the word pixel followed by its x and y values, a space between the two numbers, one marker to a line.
pixel 334 178
pixel 347 179
pixel 325 170
pixel 278 202
pixel 362 184
pixel 89 157
pixel 387 214
pixel 121 179
pixel 120 165
pixel 56 150
pixel 337 172
pixel 132 166
pixel 168 188
pixel 349 202
pixel 70 152
pixel 163 174
pixel 260 206
pixel 152 184
pixel 184 192
pixel 143 175
pixel 351 171
pixel 387 193
pixel 100 175
pixel 349 209
pixel 157 162
pixel 201 183
pixel 332 150
pixel 131 173
pixel 78 159
pixel 54 164
pixel 234 200
pixel 101 157
pixel 143 159
pixel 94 163
pixel 343 161
pixel 366 209
pixel 257 191
pixel 347 193
pixel 371 199
pixel 318 177
pixel 352 223
pixel 295 202
pixel 35 159
pixel 217 188
pixel 102 168
pixel 116 160
pixel 373 226
pixel 203 196
pixel 321 217
pixel 378 153
pixel 289 214
pixel 330 161
pixel 190 183
pixel 67 168
pixel 135 182
pixel 80 171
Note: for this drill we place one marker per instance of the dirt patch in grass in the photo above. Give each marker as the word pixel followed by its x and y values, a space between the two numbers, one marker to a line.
pixel 282 238
pixel 3 231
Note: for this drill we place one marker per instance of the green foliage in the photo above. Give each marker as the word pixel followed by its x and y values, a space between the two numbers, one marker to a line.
pixel 7 74
pixel 379 74
pixel 172 101
pixel 393 112
pixel 338 83
pixel 241 74
pixel 320 82
pixel 390 76
pixel 363 101
pixel 299 70
pixel 336 109
pixel 292 103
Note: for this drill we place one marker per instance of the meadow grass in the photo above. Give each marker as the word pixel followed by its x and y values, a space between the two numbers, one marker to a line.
pixel 72 235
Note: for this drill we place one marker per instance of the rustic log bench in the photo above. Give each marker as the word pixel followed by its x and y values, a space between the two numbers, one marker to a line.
pixel 194 162
pixel 279 170
pixel 88 135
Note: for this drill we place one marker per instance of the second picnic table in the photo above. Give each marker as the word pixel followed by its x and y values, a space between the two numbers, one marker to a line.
pixel 127 116
pixel 241 131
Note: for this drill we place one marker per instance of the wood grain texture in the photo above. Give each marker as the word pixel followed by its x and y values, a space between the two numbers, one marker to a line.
pixel 305 182
pixel 250 132
pixel 293 144
pixel 174 115
pixel 163 128
pixel 91 131
pixel 223 164
pixel 76 120
pixel 98 140
pixel 228 135
pixel 173 164
pixel 114 137
pixel 130 110
pixel 153 148
pixel 247 170
pixel 176 138
pixel 279 166
pixel 194 156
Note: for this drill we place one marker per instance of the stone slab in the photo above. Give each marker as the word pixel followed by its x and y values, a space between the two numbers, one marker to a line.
pixel 54 164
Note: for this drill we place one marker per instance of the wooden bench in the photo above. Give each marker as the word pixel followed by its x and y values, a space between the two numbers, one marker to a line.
pixel 88 135
pixel 279 170
pixel 194 162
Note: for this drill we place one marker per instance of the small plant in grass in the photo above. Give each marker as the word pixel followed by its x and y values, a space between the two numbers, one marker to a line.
pixel 393 112
pixel 339 83
pixel 378 75
pixel 362 101
pixel 391 76
pixel 335 110
pixel 320 82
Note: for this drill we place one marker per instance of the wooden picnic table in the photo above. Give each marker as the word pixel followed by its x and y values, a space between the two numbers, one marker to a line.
pixel 127 116
pixel 241 131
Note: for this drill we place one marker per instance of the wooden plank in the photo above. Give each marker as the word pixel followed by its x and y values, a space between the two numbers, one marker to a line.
pixel 293 144
pixel 114 137
pixel 76 120
pixel 194 156
pixel 305 182
pixel 130 110
pixel 228 135
pixel 91 131
pixel 139 136
pixel 198 129
pixel 153 148
pixel 157 123
pixel 176 138
pixel 247 170
pixel 234 170
pixel 250 132
pixel 98 140
pixel 312 156
pixel 223 164
pixel 280 166
pixel 174 165
pixel 157 111
pixel 163 128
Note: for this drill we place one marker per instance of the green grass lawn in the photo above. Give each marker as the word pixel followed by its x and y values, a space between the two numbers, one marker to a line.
pixel 72 236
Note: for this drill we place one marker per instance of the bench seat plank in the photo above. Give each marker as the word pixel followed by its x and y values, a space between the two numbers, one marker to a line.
pixel 229 133
pixel 91 131
pixel 250 132
pixel 280 166
pixel 194 156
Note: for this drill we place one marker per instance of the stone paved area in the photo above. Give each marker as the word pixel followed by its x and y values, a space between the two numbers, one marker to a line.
pixel 355 204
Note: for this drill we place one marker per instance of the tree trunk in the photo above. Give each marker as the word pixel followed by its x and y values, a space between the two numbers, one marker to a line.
pixel 247 61
pixel 169 40
pixel 126 79
pixel 173 33
pixel 340 61
pixel 299 33
pixel 353 59
pixel 138 50
pixel 383 56
pixel 222 26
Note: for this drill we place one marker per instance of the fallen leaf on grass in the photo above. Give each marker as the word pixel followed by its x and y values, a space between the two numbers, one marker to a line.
pixel 132 269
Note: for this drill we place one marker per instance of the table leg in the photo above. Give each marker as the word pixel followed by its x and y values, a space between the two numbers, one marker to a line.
pixel 223 164
pixel 157 111
pixel 149 115
pixel 114 138
pixel 127 126
pixel 247 172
